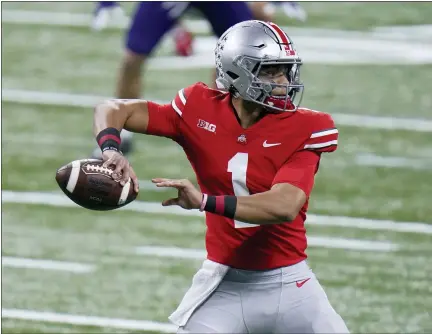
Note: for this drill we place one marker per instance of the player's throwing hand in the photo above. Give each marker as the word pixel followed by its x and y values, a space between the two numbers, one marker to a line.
pixel 123 170
pixel 188 196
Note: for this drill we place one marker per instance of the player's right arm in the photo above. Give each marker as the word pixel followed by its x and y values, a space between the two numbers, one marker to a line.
pixel 142 116
pixel 111 116
pixel 131 115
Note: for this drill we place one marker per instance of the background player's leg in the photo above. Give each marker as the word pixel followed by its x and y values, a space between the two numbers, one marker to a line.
pixel 222 15
pixel 150 22
pixel 305 308
pixel 129 77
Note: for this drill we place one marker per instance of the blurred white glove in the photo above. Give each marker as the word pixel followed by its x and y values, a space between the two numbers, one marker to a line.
pixel 107 13
pixel 292 9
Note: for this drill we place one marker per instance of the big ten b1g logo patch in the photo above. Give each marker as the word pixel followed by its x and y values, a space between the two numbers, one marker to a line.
pixel 206 125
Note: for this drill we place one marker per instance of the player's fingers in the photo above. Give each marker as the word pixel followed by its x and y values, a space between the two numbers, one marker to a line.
pixel 160 179
pixel 173 184
pixel 163 184
pixel 120 166
pixel 107 163
pixel 134 179
pixel 171 201
pixel 125 175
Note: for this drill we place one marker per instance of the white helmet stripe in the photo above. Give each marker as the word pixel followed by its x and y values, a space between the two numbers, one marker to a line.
pixel 273 30
pixel 281 36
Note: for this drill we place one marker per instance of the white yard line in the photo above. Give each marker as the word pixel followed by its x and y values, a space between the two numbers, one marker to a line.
pixel 51 98
pixel 85 320
pixel 313 241
pixel 383 123
pixel 392 162
pixel 317 46
pixel 33 17
pixel 369 224
pixel 18 262
pixel 423 31
pixel 60 200
pixel 148 185
pixel 351 244
pixel 172 252
pixel 89 101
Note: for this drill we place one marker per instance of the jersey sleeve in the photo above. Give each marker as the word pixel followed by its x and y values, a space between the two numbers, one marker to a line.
pixel 299 170
pixel 164 119
pixel 324 135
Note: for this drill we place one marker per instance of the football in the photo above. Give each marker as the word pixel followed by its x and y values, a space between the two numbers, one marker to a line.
pixel 90 185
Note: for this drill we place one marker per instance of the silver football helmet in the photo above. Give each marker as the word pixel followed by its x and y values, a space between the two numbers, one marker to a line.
pixel 248 47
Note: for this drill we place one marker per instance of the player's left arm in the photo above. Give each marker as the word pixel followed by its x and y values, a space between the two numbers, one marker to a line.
pixel 290 189
pixel 280 204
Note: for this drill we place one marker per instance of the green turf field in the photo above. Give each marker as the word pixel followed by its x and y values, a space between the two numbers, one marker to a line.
pixel 385 291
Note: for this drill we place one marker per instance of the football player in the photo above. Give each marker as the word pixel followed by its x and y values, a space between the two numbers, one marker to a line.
pixel 255 153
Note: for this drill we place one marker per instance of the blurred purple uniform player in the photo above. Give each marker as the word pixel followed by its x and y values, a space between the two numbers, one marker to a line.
pixel 153 19
pixel 149 24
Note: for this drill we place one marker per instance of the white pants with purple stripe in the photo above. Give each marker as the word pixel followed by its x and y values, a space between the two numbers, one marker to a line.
pixel 283 300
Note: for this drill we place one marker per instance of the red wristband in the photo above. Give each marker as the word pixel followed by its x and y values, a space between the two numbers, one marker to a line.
pixel 109 139
pixel 221 205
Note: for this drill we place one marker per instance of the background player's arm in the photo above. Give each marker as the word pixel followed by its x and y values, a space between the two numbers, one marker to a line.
pixel 131 115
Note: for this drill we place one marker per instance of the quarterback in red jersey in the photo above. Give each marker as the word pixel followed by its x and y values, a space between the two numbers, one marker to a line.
pixel 255 153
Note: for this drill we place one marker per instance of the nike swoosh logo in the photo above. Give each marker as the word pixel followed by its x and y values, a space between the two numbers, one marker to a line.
pixel 301 283
pixel 265 144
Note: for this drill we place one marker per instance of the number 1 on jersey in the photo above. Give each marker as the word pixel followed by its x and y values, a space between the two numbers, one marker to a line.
pixel 237 166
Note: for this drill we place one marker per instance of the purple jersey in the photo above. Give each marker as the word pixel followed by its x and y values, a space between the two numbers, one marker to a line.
pixel 153 19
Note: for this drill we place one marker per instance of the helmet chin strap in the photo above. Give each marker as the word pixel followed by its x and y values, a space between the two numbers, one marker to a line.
pixel 275 102
pixel 279 103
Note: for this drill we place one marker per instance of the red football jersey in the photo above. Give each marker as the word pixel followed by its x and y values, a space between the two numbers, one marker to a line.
pixel 230 160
